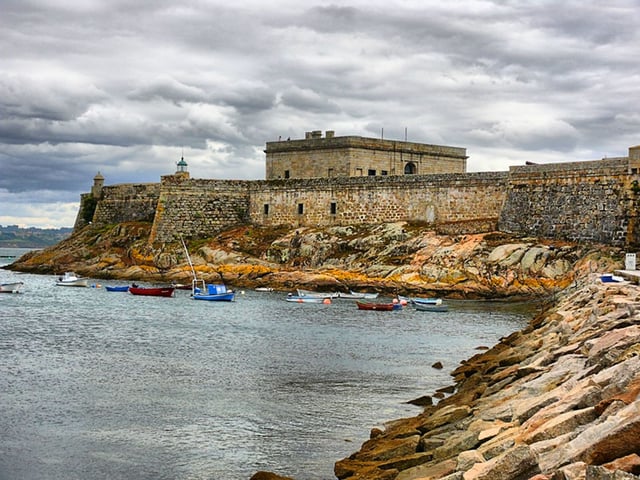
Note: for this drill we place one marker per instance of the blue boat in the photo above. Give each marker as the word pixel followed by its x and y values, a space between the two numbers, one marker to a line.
pixel 202 291
pixel 117 288
pixel 214 293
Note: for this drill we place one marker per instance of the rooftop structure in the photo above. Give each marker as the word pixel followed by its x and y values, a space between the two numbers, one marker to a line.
pixel 318 156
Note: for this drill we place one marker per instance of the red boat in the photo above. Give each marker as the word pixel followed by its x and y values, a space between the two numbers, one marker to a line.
pixel 379 306
pixel 152 291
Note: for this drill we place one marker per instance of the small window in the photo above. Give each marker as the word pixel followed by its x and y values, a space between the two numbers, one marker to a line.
pixel 286 174
pixel 334 208
pixel 371 173
pixel 330 173
pixel 384 172
pixel 300 208
pixel 266 209
pixel 358 172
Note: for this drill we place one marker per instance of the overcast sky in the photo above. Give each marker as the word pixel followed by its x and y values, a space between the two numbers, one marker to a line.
pixel 128 87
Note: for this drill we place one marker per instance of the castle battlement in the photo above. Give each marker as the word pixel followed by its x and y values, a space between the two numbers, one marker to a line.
pixel 594 201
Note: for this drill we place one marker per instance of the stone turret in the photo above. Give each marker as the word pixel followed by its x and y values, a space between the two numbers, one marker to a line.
pixel 98 183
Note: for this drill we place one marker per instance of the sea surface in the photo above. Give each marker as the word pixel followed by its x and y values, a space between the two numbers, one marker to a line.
pixel 106 385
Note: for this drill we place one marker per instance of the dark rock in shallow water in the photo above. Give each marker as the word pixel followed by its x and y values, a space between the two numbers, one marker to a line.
pixel 423 401
pixel 268 476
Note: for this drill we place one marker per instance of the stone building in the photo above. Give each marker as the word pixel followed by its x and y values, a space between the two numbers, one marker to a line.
pixel 316 156
pixel 585 201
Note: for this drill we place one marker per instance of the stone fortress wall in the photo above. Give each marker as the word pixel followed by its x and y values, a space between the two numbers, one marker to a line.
pixel 198 208
pixel 591 201
pixel 133 202
pixel 577 201
pixel 463 202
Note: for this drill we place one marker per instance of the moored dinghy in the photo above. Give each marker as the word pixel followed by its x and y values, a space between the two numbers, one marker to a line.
pixel 356 295
pixel 431 307
pixel 13 287
pixel 427 301
pixel 151 291
pixel 305 299
pixel 311 294
pixel 70 279
pixel 117 288
pixel 385 307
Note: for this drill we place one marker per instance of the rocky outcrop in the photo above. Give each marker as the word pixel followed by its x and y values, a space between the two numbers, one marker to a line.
pixel 392 258
pixel 558 400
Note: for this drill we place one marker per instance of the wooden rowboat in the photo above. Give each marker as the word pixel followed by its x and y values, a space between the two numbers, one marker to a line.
pixel 152 291
pixel 386 307
pixel 431 307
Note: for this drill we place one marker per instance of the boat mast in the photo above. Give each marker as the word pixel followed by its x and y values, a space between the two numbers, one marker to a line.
pixel 193 271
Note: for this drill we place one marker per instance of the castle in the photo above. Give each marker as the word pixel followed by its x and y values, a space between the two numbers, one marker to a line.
pixel 324 181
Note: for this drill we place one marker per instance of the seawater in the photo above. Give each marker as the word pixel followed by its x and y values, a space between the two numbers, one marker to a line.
pixel 106 385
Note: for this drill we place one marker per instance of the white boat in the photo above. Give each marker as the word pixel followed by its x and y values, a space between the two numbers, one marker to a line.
pixel 431 307
pixel 264 289
pixel 356 295
pixel 312 294
pixel 14 287
pixel 308 299
pixel 70 279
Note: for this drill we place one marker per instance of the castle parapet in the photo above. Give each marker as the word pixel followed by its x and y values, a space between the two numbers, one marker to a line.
pixel 354 156
pixel 588 201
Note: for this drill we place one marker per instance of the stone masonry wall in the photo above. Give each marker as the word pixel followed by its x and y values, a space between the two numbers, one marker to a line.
pixel 592 201
pixel 435 199
pixel 355 156
pixel 126 203
pixel 196 208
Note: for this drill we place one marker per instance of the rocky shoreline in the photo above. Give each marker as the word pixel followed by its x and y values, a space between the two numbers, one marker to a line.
pixel 558 400
pixel 394 258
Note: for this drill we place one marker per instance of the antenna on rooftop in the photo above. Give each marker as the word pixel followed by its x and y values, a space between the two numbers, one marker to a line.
pixel 405 134
pixel 382 133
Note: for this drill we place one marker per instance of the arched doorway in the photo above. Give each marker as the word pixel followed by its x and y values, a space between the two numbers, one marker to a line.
pixel 410 168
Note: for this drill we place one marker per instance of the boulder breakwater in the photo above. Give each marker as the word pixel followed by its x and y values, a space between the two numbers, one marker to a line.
pixel 557 400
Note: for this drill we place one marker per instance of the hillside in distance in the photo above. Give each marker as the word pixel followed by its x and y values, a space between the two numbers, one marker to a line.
pixel 12 236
